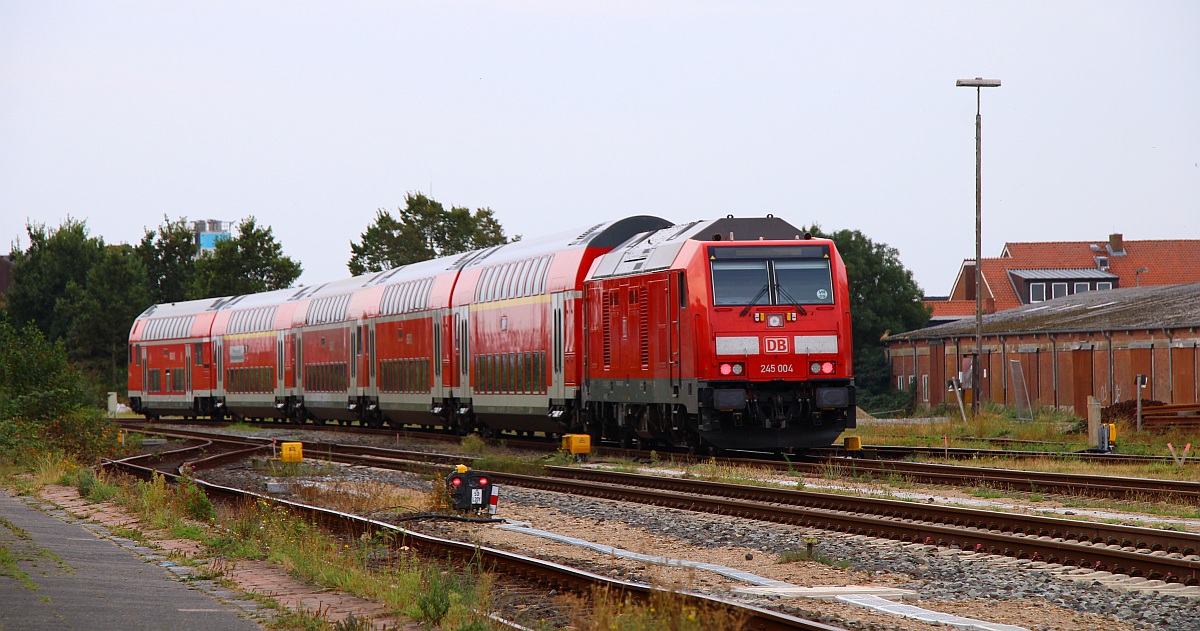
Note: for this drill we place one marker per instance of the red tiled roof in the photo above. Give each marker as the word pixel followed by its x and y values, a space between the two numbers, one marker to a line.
pixel 951 308
pixel 1168 262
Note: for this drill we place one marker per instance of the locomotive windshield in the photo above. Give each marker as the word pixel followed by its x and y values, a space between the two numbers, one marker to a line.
pixel 776 275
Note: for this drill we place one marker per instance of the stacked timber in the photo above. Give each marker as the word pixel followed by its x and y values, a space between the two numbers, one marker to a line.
pixel 1165 417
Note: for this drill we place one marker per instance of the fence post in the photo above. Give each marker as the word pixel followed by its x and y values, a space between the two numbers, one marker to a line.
pixel 1093 406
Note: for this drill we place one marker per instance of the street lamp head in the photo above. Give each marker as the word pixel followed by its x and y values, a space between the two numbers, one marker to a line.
pixel 977 82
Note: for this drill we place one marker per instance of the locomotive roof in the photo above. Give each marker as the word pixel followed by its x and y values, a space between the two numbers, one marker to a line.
pixel 606 234
pixel 656 250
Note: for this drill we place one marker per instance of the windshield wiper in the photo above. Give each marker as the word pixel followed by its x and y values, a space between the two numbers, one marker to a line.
pixel 792 301
pixel 755 299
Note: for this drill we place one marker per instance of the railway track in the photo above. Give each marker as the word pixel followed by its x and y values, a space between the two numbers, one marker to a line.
pixel 561 577
pixel 1145 552
pixel 821 454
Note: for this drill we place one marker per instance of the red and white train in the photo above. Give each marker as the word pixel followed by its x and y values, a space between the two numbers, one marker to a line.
pixel 724 334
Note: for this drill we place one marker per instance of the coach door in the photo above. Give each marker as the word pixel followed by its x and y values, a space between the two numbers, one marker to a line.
pixel 187 371
pixel 462 334
pixel 145 372
pixel 298 363
pixel 437 391
pixel 219 361
pixel 558 389
pixel 279 365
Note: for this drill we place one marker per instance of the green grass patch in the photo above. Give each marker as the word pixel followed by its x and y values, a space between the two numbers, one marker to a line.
pixel 9 567
pixel 510 464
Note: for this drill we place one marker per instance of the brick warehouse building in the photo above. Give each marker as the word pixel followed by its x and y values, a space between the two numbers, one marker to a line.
pixel 1068 348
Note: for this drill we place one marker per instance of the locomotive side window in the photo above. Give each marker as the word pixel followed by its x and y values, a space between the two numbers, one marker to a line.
pixel 738 282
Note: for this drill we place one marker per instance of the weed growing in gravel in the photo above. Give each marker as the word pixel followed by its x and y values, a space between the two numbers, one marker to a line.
pixel 714 471
pixel 795 556
pixel 243 427
pixel 472 444
pixel 510 464
pixel 666 610
pixel 365 497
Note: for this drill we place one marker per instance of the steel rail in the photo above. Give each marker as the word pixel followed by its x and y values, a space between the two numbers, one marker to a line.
pixel 1158 565
pixel 529 568
pixel 1148 539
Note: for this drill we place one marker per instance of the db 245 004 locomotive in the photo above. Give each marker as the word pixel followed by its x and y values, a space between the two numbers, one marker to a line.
pixel 731 333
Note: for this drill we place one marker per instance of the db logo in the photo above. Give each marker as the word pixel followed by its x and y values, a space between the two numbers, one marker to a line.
pixel 776 344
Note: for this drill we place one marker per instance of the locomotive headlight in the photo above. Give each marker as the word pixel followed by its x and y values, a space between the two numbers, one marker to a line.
pixel 738 369
pixel 827 368
pixel 815 368
pixel 726 370
pixel 775 319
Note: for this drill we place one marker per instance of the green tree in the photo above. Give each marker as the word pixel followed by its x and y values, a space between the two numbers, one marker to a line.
pixel 102 310
pixel 169 257
pixel 884 297
pixel 41 273
pixel 45 404
pixel 250 262
pixel 420 231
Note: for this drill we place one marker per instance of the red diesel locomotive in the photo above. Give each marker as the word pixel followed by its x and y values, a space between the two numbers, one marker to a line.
pixel 725 334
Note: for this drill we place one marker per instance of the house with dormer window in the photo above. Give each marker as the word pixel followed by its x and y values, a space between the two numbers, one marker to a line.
pixel 1031 272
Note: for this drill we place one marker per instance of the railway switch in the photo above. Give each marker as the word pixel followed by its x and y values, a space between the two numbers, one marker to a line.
pixel 469 490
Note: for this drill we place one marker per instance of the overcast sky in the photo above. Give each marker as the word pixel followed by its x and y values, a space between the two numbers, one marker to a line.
pixel 310 116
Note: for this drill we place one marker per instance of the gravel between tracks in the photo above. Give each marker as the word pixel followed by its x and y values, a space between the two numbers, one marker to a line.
pixel 982 588
pixel 985 588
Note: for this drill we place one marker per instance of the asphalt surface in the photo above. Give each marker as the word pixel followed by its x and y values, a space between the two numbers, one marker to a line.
pixel 60 575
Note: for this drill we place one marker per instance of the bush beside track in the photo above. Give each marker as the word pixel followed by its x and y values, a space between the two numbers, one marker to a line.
pixel 46 405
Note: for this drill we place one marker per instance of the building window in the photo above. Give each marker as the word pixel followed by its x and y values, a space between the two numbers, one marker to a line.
pixel 1082 287
pixel 1103 286
pixel 925 388
pixel 1059 289
pixel 1102 262
pixel 1037 292
pixel 900 383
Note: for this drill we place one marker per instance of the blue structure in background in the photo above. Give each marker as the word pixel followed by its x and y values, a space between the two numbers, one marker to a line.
pixel 208 232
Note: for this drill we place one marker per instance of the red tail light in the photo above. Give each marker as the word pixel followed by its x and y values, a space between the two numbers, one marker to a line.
pixel 726 369
pixel 827 368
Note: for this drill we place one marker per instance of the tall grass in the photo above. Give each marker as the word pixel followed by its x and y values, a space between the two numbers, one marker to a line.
pixel 665 611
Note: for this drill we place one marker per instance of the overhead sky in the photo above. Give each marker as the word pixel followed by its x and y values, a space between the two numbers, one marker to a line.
pixel 311 116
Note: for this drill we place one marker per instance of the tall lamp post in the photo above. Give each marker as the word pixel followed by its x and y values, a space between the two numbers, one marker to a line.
pixel 976 375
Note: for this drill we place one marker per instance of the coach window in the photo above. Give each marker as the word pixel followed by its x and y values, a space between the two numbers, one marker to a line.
pixel 532 283
pixel 1037 292
pixel 492 281
pixel 523 277
pixel 198 353
pixel 510 281
pixel 543 271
